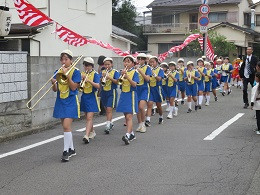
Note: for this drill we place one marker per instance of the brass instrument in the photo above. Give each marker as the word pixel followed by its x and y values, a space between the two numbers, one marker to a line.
pixel 167 74
pixel 189 78
pixel 30 107
pixel 62 78
pixel 83 82
pixel 104 79
pixel 120 80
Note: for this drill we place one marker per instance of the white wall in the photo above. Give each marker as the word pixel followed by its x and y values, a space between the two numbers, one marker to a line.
pixel 93 20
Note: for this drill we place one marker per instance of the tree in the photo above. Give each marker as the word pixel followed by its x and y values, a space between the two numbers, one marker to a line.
pixel 219 43
pixel 124 16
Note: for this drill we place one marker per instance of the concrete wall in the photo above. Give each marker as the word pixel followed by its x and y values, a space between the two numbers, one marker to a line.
pixel 14 116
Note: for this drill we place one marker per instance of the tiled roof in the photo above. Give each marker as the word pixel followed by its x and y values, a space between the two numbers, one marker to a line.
pixel 121 32
pixel 174 3
pixel 23 29
pixel 247 30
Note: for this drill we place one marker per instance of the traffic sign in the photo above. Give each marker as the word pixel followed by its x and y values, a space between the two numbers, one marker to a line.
pixel 204 9
pixel 204 1
pixel 204 21
pixel 203 29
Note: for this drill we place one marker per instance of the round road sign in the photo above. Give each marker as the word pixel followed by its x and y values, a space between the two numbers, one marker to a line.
pixel 204 21
pixel 204 9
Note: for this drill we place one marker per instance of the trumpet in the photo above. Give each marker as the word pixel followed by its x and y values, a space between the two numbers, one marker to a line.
pixel 167 74
pixel 104 79
pixel 58 79
pixel 189 78
pixel 120 80
pixel 62 78
pixel 83 83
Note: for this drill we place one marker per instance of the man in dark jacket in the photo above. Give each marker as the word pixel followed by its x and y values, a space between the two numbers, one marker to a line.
pixel 247 73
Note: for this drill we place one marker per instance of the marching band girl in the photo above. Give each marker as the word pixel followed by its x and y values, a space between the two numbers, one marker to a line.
pixel 191 76
pixel 218 68
pixel 201 85
pixel 128 102
pixel 173 78
pixel 67 104
pixel 165 69
pixel 226 71
pixel 156 91
pixel 214 81
pixel 89 101
pixel 181 84
pixel 143 90
pixel 208 80
pixel 109 91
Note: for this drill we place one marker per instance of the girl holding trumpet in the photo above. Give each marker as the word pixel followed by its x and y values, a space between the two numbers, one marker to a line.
pixel 201 84
pixel 165 69
pixel 191 76
pixel 181 84
pixel 67 104
pixel 143 90
pixel 173 78
pixel 208 80
pixel 128 102
pixel 156 91
pixel 108 94
pixel 89 100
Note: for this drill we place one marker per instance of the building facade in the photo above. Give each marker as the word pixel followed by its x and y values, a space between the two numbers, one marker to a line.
pixel 173 20
pixel 90 18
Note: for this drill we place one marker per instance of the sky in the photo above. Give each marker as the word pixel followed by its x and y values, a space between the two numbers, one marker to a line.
pixel 141 4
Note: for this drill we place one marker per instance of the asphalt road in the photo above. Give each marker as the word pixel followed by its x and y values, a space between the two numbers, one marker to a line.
pixel 171 158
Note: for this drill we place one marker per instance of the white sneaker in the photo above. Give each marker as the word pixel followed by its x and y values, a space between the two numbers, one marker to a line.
pixel 168 109
pixel 207 104
pixel 169 115
pixel 92 135
pixel 176 111
pixel 258 132
pixel 138 128
pixel 143 129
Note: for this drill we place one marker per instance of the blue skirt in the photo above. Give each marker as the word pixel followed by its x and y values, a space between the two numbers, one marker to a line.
pixel 182 85
pixel 207 87
pixel 201 85
pixel 143 92
pixel 156 94
pixel 191 90
pixel 89 102
pixel 67 108
pixel 109 98
pixel 215 84
pixel 128 102
pixel 172 91
pixel 164 91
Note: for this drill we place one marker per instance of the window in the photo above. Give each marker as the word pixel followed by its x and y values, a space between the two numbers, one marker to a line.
pixel 247 19
pixel 217 17
pixel 257 20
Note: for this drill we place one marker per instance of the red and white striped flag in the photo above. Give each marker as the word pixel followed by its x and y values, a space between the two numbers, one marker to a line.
pixel 210 51
pixel 30 15
pixel 70 37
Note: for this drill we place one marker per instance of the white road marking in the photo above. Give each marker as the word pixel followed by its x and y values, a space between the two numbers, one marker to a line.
pixel 223 127
pixel 31 146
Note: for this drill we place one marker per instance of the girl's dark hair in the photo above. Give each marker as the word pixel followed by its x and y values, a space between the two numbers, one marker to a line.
pixel 156 59
pixel 88 64
pixel 131 59
pixel 165 66
pixel 226 58
pixel 100 60
pixel 211 63
pixel 65 54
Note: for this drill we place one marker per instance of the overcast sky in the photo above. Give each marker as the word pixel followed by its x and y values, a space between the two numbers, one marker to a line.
pixel 141 4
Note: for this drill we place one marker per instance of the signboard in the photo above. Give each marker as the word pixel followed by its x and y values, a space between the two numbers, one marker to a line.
pixel 204 21
pixel 204 9
pixel 203 29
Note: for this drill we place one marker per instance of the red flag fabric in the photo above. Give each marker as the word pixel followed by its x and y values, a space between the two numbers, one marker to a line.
pixel 209 50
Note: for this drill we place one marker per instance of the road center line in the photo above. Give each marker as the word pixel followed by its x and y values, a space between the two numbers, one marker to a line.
pixel 223 127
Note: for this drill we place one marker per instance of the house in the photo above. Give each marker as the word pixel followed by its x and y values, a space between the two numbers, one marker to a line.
pixel 90 18
pixel 172 20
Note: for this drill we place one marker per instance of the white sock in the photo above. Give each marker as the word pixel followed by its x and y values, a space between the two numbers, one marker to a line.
pixel 161 116
pixel 67 141
pixel 168 103
pixel 208 98
pixel 171 109
pixel 189 105
pixel 128 135
pixel 148 118
pixel 108 123
pixel 132 133
pixel 141 124
pixel 200 99
pixel 221 86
